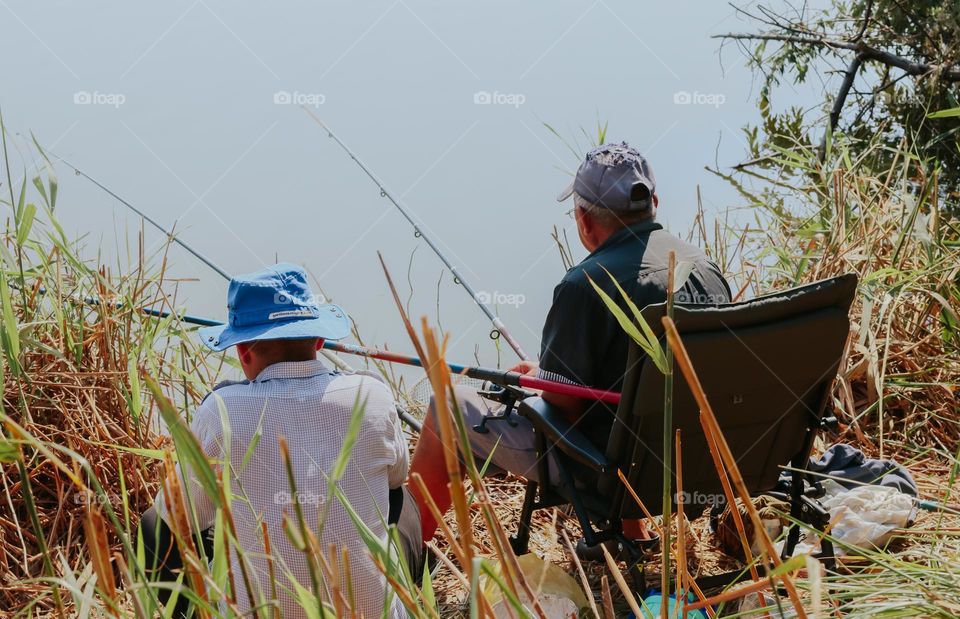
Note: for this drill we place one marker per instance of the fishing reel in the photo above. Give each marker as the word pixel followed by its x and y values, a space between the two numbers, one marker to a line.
pixel 508 396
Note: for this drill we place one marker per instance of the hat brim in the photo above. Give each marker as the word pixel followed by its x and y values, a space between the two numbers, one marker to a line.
pixel 567 192
pixel 332 324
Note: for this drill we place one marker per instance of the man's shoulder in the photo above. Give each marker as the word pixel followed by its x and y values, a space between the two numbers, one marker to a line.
pixel 663 241
pixel 363 383
pixel 222 390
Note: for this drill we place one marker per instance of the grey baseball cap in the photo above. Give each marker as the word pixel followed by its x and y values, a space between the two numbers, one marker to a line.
pixel 624 183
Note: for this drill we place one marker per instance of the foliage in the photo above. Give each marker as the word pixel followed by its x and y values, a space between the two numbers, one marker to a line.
pixel 901 60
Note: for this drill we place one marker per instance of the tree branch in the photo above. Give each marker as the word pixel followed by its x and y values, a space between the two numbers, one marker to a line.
pixel 866 21
pixel 946 72
pixel 848 78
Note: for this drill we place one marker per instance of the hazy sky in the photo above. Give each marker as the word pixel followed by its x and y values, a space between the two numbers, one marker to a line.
pixel 188 110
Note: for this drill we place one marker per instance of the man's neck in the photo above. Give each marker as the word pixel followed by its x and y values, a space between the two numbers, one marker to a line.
pixel 262 364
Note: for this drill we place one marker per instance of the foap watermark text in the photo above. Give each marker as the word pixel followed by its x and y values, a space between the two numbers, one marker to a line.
pixel 301 498
pixel 85 97
pixel 309 99
pixel 500 298
pixel 685 97
pixel 485 97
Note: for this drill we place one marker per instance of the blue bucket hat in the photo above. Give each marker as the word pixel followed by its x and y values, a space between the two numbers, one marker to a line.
pixel 275 304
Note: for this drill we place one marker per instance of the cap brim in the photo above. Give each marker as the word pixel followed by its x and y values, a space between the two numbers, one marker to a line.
pixel 566 193
pixel 332 324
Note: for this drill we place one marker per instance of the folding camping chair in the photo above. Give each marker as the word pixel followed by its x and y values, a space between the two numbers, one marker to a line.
pixel 767 367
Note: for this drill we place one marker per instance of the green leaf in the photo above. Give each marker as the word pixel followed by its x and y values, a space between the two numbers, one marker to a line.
pixel 494 575
pixel 8 450
pixel 647 341
pixel 257 435
pixel 51 176
pixel 353 433
pixel 945 113
pixel 220 547
pixel 188 448
pixel 429 597
pixel 26 223
pixel 308 601
pixel 790 565
pixel 9 323
pixel 153 454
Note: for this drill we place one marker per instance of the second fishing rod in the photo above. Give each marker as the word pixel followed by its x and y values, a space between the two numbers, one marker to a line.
pixel 499 329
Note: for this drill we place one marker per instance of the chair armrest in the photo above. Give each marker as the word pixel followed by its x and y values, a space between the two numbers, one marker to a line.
pixel 552 422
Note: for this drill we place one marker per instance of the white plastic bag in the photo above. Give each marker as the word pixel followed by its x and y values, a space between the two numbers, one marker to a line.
pixel 863 516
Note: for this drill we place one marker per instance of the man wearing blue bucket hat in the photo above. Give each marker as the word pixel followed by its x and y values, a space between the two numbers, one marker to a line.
pixel 277 326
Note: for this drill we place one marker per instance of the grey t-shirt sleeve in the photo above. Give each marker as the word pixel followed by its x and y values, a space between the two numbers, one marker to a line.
pixel 574 334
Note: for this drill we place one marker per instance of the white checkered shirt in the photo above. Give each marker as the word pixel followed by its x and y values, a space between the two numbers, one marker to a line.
pixel 310 406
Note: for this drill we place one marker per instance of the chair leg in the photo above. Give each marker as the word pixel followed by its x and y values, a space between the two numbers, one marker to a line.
pixel 521 541
pixel 796 511
pixel 636 560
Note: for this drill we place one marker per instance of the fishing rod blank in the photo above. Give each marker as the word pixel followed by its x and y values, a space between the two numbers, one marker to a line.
pixel 498 327
pixel 147 218
pixel 170 235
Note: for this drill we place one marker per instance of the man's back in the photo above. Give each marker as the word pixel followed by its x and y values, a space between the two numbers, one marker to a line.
pixel 311 407
pixel 582 340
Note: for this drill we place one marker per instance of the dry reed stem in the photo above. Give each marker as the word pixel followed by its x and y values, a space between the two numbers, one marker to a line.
pixel 608 611
pixel 732 502
pixel 271 569
pixel 682 576
pixel 95 531
pixel 583 576
pixel 708 419
pixel 180 525
pixel 736 594
pixel 646 512
pixel 621 583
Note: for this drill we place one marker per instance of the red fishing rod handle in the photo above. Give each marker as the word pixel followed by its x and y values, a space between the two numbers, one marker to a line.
pixel 587 393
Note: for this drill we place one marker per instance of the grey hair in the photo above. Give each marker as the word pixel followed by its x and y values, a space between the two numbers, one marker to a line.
pixel 612 219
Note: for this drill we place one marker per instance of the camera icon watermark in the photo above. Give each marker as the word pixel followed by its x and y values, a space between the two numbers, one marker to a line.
pixel 500 298
pixel 685 97
pixel 485 97
pixel 85 97
pixel 310 99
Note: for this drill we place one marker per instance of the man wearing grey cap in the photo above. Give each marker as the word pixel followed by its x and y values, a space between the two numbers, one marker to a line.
pixel 614 204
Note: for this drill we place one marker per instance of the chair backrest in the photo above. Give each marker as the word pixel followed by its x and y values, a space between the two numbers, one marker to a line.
pixel 767 367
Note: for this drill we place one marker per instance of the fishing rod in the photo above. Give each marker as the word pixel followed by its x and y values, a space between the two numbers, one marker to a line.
pixel 498 327
pixel 499 377
pixel 146 217
pixel 170 235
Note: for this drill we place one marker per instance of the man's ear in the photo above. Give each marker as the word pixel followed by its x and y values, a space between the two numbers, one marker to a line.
pixel 587 223
pixel 320 343
pixel 244 353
